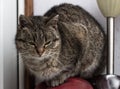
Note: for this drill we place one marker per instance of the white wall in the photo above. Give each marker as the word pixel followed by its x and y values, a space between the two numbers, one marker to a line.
pixel 1 48
pixel 7 44
pixel 41 6
pixel 117 46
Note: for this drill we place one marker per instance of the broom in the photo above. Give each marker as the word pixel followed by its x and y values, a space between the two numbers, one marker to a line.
pixel 110 9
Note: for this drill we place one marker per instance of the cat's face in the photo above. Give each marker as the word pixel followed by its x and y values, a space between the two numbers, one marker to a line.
pixel 37 37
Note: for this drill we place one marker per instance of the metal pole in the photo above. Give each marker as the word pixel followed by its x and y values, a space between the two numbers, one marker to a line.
pixel 110 32
pixel 17 10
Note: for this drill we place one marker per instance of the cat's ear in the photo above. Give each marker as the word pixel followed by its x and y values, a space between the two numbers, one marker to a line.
pixel 53 20
pixel 25 21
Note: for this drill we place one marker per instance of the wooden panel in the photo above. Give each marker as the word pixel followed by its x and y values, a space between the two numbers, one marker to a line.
pixel 29 80
pixel 28 7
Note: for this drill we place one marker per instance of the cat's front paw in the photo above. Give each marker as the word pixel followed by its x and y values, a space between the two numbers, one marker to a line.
pixel 56 82
pixel 53 83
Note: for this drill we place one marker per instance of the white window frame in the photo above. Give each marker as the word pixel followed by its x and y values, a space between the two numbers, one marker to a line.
pixel 8 56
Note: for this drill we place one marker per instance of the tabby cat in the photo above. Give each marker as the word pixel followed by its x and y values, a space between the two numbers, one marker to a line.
pixel 65 42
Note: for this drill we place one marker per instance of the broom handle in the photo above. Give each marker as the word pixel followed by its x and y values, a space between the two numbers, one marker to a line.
pixel 110 32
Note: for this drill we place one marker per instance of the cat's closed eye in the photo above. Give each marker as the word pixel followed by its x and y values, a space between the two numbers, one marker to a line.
pixel 51 43
pixel 48 43
pixel 30 44
pixel 27 42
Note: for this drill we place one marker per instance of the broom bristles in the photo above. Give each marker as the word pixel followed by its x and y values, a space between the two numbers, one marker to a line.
pixel 109 8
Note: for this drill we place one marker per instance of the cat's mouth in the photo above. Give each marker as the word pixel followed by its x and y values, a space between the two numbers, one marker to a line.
pixel 35 57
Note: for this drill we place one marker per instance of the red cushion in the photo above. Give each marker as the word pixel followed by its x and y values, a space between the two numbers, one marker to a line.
pixel 71 83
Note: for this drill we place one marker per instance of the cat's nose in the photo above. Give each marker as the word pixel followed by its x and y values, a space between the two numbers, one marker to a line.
pixel 40 51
